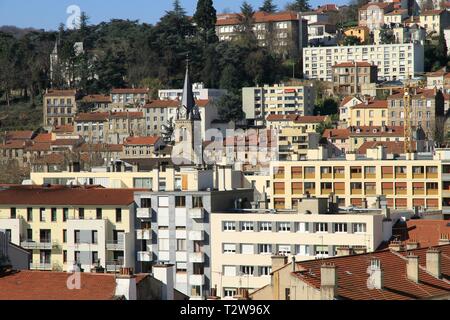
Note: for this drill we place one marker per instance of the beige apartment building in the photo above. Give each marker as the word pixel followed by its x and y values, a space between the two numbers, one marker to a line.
pixel 372 15
pixel 417 181
pixel 282 32
pixel 243 242
pixel 349 77
pixel 368 113
pixel 141 147
pixel 260 102
pixel 67 226
pixel 129 97
pixel 394 61
pixel 60 107
pixel 434 21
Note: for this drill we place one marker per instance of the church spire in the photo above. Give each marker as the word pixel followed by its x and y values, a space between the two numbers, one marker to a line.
pixel 187 100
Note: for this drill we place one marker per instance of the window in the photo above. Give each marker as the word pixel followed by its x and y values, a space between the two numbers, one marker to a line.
pixel 303 227
pixel 29 214
pixel 181 245
pixel 321 251
pixel 95 257
pixel 229 248
pixel 284 226
pixel 64 256
pixel 359 227
pixel 64 236
pixel 146 203
pixel 29 234
pixel 321 227
pixel 248 270
pixel 77 236
pixel 265 248
pixel 118 215
pixel 197 202
pixel 163 202
pixel 265 271
pixel 247 249
pixel 94 236
pixel 81 213
pixel 303 250
pixel 287 293
pixel 340 227
pixel 143 183
pixel 53 214
pixel 265 226
pixel 284 250
pixel 42 214
pixel 13 213
pixel 229 292
pixel 229 271
pixel 229 226
pixel 180 201
pixel 247 226
pixel 99 213
pixel 181 267
pixel 163 244
pixel 65 214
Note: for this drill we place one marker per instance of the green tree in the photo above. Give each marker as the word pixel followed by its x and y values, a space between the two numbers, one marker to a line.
pixel 299 5
pixel 154 84
pixel 327 107
pixel 206 17
pixel 351 41
pixel 230 107
pixel 441 50
pixel 246 23
pixel 268 6
pixel 386 35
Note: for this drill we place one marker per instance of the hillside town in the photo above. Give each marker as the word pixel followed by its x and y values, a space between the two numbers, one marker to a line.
pixel 297 155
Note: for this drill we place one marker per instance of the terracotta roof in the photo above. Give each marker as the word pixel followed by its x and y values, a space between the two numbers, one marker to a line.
pixel 336 133
pixel 101 147
pixel 43 137
pixel 61 196
pixel 13 144
pixel 44 285
pixel 374 104
pixel 259 17
pixel 431 12
pixel 64 129
pixel 282 117
pixel 352 276
pixel 40 146
pixel 296 118
pixel 387 131
pixel 96 98
pixel 130 90
pixel 92 116
pixel 60 93
pixel 327 8
pixel 392 147
pixel 125 115
pixel 151 140
pixel 173 103
pixel 439 73
pixel 418 94
pixel 66 142
pixel 352 64
pixel 19 135
pixel 397 11
pixel 381 5
pixel 347 99
pixel 425 232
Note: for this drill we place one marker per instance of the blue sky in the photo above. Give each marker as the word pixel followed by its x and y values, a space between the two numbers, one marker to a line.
pixel 48 14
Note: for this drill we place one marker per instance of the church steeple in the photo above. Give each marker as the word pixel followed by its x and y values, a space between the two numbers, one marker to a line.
pixel 188 109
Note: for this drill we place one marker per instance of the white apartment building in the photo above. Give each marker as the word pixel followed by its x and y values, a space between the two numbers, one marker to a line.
pixel 259 102
pixel 243 242
pixel 198 89
pixel 394 61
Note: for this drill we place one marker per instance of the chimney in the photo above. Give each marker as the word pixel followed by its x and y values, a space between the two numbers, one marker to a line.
pixel 293 263
pixel 412 268
pixel 344 251
pixel 126 284
pixel 434 262
pixel 328 282
pixel 396 246
pixel 164 273
pixel 412 245
pixel 376 274
pixel 443 240
pixel 278 261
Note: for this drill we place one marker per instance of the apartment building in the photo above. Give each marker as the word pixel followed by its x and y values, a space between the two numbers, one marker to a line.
pixel 95 102
pixel 141 147
pixel 349 77
pixel 129 97
pixel 362 33
pixel 394 61
pixel 259 102
pixel 68 226
pixel 60 107
pixel 427 108
pixel 434 21
pixel 322 34
pixel 414 181
pixel 109 127
pixel 372 15
pixel 368 113
pixel 244 241
pixel 402 34
pixel 437 79
pixel 283 32
pixel 396 16
pixel 198 89
pixel 160 113
pixel 417 274
pixel 175 228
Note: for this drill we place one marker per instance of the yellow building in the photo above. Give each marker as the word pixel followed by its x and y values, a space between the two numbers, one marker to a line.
pixel 67 226
pixel 362 33
pixel 416 181
pixel 369 113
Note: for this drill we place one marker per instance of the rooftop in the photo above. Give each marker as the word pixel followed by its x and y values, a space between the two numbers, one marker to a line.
pixel 259 17
pixel 130 90
pixel 60 93
pixel 151 140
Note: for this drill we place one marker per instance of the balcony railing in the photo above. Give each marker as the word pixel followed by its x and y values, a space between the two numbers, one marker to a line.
pixel 197 279
pixel 114 265
pixel 197 213
pixel 33 245
pixel 144 256
pixel 41 266
pixel 115 245
pixel 197 257
pixel 197 235
pixel 144 213
pixel 144 234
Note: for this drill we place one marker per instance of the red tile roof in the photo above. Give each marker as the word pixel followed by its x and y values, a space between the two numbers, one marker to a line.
pixel 173 103
pixel 377 131
pixel 96 98
pixel 61 93
pixel 259 17
pixel 373 104
pixel 347 99
pixel 416 94
pixel 426 233
pixel 296 118
pixel 326 8
pixel 130 90
pixel 387 6
pixel 336 133
pixel 66 142
pixel 101 147
pixel 92 116
pixel 61 196
pixel 13 144
pixel 353 276
pixel 397 11
pixel 126 115
pixel 392 147
pixel 64 129
pixel 151 140
pixel 19 135
pixel 352 64
pixel 40 146
pixel 43 137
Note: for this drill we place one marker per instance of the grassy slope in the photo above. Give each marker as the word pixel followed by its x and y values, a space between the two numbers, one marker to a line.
pixel 20 116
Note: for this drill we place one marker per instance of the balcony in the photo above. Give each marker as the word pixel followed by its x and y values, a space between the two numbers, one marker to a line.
pixel 326 191
pixel 197 235
pixel 370 192
pixel 432 192
pixel 197 279
pixel 338 175
pixel 326 176
pixel 114 266
pixel 370 175
pixel 197 257
pixel 144 256
pixel 144 234
pixel 144 213
pixel 32 245
pixel 418 175
pixel 41 266
pixel 355 191
pixel 115 245
pixel 197 213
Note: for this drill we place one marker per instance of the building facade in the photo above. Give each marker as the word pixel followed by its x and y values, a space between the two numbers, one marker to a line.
pixel 348 77
pixel 60 107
